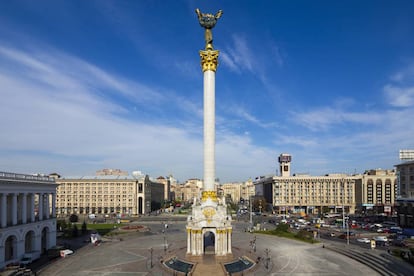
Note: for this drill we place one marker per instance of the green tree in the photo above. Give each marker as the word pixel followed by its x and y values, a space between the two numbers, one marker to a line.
pixel 84 228
pixel 73 218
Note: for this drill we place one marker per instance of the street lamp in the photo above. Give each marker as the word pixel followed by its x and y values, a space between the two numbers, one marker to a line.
pixel 151 250
pixel 267 260
pixel 251 211
pixel 165 243
pixel 347 230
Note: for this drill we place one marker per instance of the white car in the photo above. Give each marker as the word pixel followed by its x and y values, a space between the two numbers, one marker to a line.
pixel 364 240
pixel 381 238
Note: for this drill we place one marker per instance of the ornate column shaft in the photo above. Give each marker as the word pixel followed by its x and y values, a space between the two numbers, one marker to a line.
pixel 209 62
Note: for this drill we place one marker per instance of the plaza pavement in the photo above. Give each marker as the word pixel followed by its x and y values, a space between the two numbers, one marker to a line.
pixel 131 255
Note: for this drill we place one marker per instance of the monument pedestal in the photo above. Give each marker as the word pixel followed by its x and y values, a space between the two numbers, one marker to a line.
pixel 209 229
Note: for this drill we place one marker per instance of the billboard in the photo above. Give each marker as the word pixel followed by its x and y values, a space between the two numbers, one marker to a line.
pixel 406 154
pixel 285 158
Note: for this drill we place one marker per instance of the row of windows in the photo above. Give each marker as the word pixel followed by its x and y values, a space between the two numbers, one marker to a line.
pixel 96 184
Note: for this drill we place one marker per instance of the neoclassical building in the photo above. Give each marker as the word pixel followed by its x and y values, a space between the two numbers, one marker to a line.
pixel 307 194
pixel 374 191
pixel 237 190
pixel 27 216
pixel 109 192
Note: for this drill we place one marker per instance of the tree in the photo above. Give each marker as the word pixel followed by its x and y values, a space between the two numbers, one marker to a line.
pixel 84 228
pixel 73 218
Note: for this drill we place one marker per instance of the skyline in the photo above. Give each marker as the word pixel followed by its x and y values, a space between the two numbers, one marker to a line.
pixel 88 85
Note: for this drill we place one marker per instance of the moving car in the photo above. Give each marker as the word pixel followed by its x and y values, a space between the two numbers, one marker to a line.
pixel 381 238
pixel 364 240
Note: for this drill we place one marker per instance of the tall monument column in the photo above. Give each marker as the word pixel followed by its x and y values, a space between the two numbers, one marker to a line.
pixel 209 219
pixel 209 62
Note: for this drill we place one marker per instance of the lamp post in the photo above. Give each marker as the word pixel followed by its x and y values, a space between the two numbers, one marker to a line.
pixel 251 211
pixel 267 260
pixel 165 241
pixel 151 250
pixel 347 230
pixel 343 203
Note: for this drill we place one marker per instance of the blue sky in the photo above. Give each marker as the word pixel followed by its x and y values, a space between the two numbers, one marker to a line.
pixel 87 85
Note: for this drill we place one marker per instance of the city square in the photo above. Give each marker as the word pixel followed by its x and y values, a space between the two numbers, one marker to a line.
pixel 132 255
pixel 262 151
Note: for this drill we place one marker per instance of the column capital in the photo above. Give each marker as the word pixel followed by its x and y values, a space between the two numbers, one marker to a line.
pixel 209 60
pixel 209 194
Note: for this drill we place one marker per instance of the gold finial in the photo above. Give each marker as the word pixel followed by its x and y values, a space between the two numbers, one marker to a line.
pixel 208 21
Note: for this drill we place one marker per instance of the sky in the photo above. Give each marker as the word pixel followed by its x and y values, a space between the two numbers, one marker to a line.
pixel 87 85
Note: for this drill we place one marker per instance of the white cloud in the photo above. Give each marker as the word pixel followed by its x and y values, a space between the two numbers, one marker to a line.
pixel 327 117
pixel 61 119
pixel 398 96
pixel 400 93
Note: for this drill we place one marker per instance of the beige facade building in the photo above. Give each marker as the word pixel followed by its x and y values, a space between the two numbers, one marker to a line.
pixel 372 192
pixel 305 194
pixel 238 190
pixel 376 192
pixel 109 192
pixel 27 216
pixel 189 190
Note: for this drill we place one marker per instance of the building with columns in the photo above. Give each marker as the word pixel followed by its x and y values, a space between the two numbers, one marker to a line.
pixel 376 192
pixel 27 216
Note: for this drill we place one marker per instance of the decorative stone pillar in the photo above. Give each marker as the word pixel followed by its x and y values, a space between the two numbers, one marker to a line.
pixel 3 210
pixel 54 205
pixel 32 207
pixel 189 238
pixel 24 208
pixel 40 207
pixel 14 209
pixel 47 206
pixel 229 233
